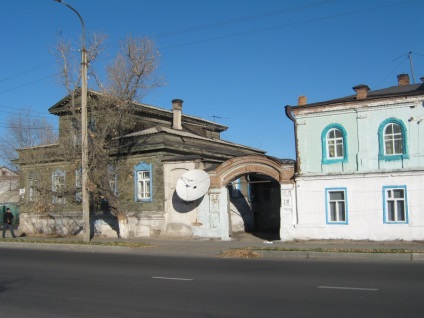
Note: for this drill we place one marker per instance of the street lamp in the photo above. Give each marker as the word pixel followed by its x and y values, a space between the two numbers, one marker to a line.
pixel 84 134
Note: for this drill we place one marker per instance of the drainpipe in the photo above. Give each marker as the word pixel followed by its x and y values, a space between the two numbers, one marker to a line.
pixel 357 139
pixel 289 114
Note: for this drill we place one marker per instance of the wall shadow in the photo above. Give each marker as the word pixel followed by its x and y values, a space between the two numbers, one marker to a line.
pixel 182 206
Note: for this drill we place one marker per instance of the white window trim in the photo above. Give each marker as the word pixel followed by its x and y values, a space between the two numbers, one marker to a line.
pixel 386 190
pixel 393 138
pixel 328 209
pixel 337 141
pixel 138 171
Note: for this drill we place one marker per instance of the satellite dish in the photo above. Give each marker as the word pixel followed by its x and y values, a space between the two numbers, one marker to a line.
pixel 193 185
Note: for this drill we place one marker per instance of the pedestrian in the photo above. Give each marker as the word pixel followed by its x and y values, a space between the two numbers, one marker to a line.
pixel 7 222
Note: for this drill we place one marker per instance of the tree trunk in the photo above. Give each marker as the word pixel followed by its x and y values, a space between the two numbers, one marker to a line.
pixel 124 231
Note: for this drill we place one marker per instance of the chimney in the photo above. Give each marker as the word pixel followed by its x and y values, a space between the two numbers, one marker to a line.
pixel 301 100
pixel 403 79
pixel 177 106
pixel 361 91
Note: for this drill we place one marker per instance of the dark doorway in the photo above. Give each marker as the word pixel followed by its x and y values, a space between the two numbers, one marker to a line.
pixel 265 200
pixel 256 200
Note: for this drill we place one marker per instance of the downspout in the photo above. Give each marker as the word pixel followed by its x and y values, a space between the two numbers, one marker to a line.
pixel 357 140
pixel 289 114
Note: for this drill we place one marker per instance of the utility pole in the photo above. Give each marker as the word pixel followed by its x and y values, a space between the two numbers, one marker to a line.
pixel 84 133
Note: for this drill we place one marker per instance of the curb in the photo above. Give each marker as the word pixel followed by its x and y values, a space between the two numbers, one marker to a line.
pixel 214 252
pixel 417 256
pixel 362 256
pixel 341 255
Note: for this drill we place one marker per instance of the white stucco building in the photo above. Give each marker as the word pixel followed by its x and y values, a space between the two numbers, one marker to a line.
pixel 360 165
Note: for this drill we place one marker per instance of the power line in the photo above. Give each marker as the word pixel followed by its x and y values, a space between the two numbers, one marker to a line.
pixel 27 71
pixel 242 19
pixel 217 24
pixel 22 109
pixel 29 83
pixel 290 24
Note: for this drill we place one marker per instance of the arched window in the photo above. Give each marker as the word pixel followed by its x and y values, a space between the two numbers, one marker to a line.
pixel 335 144
pixel 392 137
pixel 334 147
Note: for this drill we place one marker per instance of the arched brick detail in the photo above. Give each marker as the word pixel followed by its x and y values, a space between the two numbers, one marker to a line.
pixel 238 166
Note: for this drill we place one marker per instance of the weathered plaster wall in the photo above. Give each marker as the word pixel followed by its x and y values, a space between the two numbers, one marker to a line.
pixel 180 215
pixel 213 218
pixel 287 212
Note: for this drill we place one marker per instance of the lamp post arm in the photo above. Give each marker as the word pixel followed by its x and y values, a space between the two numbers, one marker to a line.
pixel 79 16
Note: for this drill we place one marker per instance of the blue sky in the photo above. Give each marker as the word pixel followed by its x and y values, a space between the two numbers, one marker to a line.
pixel 236 62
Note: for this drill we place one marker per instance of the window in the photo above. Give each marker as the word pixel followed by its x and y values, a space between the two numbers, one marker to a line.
pixel 235 188
pixel 336 206
pixel 78 185
pixel 143 179
pixel 393 144
pixel 143 182
pixel 335 143
pixel 395 207
pixel 92 124
pixel 33 190
pixel 112 179
pixel 392 140
pixel 58 186
pixel 334 148
pixel 76 133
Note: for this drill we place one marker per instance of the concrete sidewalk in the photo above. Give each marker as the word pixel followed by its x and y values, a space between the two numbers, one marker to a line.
pixel 326 249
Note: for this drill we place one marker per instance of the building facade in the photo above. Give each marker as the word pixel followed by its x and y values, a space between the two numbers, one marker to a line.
pixel 165 145
pixel 360 165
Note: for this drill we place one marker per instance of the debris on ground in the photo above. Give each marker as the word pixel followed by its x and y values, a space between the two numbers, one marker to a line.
pixel 244 253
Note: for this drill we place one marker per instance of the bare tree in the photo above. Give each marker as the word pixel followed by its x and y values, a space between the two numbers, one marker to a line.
pixel 130 76
pixel 24 131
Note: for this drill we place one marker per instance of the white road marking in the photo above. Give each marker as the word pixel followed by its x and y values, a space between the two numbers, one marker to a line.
pixel 348 288
pixel 171 278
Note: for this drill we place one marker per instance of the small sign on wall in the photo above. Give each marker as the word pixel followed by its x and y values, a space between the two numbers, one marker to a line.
pixel 287 201
pixel 286 193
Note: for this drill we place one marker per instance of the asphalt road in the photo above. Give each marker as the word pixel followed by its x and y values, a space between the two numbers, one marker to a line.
pixel 46 283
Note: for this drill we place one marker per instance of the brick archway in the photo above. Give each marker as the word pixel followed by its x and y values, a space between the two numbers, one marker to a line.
pixel 282 171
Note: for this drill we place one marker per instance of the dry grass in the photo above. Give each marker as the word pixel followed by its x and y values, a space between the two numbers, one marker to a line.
pixel 243 253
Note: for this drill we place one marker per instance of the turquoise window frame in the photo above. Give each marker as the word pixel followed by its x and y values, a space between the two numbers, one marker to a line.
pixel 325 157
pixel 381 153
pixel 405 199
pixel 327 206
pixel 142 166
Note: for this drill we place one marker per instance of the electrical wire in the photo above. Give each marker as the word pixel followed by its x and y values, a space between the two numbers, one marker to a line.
pixel 218 24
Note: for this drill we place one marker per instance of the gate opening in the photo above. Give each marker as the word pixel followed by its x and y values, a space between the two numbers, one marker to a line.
pixel 255 201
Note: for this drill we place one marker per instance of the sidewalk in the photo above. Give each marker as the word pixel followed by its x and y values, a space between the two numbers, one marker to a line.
pixel 328 249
